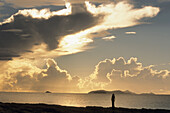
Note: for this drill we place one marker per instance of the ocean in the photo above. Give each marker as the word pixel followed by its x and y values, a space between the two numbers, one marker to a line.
pixel 82 100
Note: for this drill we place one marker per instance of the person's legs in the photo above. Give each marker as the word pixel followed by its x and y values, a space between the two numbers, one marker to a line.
pixel 113 107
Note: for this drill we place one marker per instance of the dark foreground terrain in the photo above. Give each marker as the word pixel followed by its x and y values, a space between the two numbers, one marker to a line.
pixel 44 108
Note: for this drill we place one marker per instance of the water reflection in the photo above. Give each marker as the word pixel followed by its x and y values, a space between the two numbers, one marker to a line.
pixel 82 100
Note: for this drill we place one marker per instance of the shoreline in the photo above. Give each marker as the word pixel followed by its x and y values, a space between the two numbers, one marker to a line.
pixel 50 108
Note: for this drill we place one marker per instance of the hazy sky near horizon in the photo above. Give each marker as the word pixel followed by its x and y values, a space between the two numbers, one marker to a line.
pixel 78 46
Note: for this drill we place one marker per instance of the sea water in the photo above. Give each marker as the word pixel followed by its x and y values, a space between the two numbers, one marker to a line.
pixel 82 100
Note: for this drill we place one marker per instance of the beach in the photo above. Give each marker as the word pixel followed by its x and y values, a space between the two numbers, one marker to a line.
pixel 45 108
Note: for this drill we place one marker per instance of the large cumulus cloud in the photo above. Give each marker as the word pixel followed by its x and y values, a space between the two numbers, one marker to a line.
pixel 131 75
pixel 106 66
pixel 108 74
pixel 26 77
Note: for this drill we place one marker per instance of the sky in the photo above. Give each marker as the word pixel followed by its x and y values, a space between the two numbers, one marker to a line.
pixel 76 46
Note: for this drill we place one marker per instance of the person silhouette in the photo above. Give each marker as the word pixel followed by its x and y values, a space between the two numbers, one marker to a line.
pixel 113 101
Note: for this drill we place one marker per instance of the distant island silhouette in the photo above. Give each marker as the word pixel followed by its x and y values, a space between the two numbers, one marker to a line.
pixel 47 92
pixel 117 92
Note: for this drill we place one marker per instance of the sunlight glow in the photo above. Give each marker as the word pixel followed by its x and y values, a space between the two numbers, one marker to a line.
pixel 113 17
pixel 109 38
pixel 74 43
pixel 129 33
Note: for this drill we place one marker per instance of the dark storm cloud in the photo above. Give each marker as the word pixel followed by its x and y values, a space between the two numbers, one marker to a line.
pixel 6 10
pixel 6 54
pixel 24 32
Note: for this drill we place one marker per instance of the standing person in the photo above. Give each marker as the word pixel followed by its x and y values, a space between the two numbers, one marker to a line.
pixel 113 101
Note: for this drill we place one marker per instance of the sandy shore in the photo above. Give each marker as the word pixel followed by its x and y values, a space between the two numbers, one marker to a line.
pixel 44 108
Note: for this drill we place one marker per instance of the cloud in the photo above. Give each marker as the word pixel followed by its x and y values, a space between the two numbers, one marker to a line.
pixel 82 1
pixel 19 75
pixel 32 3
pixel 56 79
pixel 112 17
pixel 26 77
pixel 6 10
pixel 115 14
pixel 106 66
pixel 31 35
pixel 148 80
pixel 130 33
pixel 109 38
pixel 66 31
pixel 131 75
pixel 1 10
pixel 28 28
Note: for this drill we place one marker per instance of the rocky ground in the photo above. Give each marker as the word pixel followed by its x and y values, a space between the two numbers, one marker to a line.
pixel 44 108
